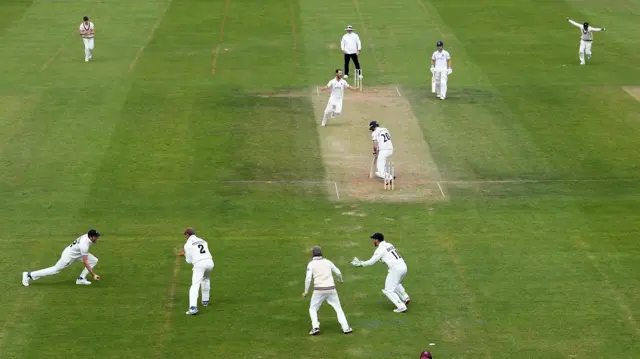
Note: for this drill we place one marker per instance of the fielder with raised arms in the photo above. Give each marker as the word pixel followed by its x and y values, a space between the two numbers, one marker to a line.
pixel 334 106
pixel 586 38
pixel 382 149
pixel 321 271
pixel 389 255
pixel 441 69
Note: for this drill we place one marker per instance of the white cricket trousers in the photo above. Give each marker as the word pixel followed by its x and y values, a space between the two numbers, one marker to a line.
pixel 585 47
pixel 88 47
pixel 331 296
pixel 440 78
pixel 393 288
pixel 64 261
pixel 334 108
pixel 381 163
pixel 201 278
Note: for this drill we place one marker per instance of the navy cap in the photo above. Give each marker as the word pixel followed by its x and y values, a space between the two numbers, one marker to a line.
pixel 379 236
pixel 93 233
pixel 439 43
pixel 426 355
pixel 86 18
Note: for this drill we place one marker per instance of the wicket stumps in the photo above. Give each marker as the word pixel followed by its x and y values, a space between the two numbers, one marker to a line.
pixel 390 173
pixel 358 80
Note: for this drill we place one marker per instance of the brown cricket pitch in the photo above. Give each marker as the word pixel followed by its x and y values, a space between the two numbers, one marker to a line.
pixel 347 148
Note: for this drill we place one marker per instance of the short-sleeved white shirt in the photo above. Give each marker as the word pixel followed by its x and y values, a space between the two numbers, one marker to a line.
pixel 87 28
pixel 80 247
pixel 337 88
pixel 441 59
pixel 196 249
pixel 383 138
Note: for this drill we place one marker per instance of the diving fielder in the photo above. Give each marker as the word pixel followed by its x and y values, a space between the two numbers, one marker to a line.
pixel 334 106
pixel 321 270
pixel 76 251
pixel 441 69
pixel 196 252
pixel 87 31
pixel 382 149
pixel 388 254
pixel 586 38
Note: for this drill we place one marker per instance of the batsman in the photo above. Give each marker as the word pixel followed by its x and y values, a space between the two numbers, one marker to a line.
pixel 441 69
pixel 382 150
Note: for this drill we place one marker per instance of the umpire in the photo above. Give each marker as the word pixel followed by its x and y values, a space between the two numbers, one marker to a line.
pixel 350 46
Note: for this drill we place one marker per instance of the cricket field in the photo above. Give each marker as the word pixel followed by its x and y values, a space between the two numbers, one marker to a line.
pixel 516 208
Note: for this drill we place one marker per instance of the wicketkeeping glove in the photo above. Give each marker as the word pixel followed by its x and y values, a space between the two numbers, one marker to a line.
pixel 356 262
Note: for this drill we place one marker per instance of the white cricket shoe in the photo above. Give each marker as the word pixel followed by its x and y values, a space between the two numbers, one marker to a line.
pixel 82 281
pixel 192 311
pixel 400 310
pixel 348 331
pixel 314 331
pixel 25 279
pixel 86 59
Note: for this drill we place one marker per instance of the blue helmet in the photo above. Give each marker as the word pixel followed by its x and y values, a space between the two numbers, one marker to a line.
pixel 439 43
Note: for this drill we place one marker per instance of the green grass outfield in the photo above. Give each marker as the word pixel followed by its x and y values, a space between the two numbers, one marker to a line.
pixel 532 252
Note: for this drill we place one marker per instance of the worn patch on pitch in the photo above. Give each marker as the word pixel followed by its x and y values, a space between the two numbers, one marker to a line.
pixel 634 91
pixel 347 148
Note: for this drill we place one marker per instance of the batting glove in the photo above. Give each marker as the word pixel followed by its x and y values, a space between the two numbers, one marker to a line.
pixel 433 70
pixel 449 71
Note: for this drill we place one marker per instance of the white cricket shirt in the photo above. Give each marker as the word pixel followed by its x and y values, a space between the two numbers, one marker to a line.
pixel 350 43
pixel 440 58
pixel 196 249
pixel 337 88
pixel 321 271
pixel 386 253
pixel 87 28
pixel 383 138
pixel 80 247
pixel 585 35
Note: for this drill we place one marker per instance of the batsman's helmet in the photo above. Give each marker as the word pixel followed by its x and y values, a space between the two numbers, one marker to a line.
pixel 373 125
pixel 426 355
pixel 439 43
pixel 585 24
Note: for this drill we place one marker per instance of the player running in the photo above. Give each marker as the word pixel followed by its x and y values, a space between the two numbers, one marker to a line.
pixel 334 106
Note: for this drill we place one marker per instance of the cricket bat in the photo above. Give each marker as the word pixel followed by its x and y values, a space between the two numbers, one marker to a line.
pixel 433 83
pixel 373 164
